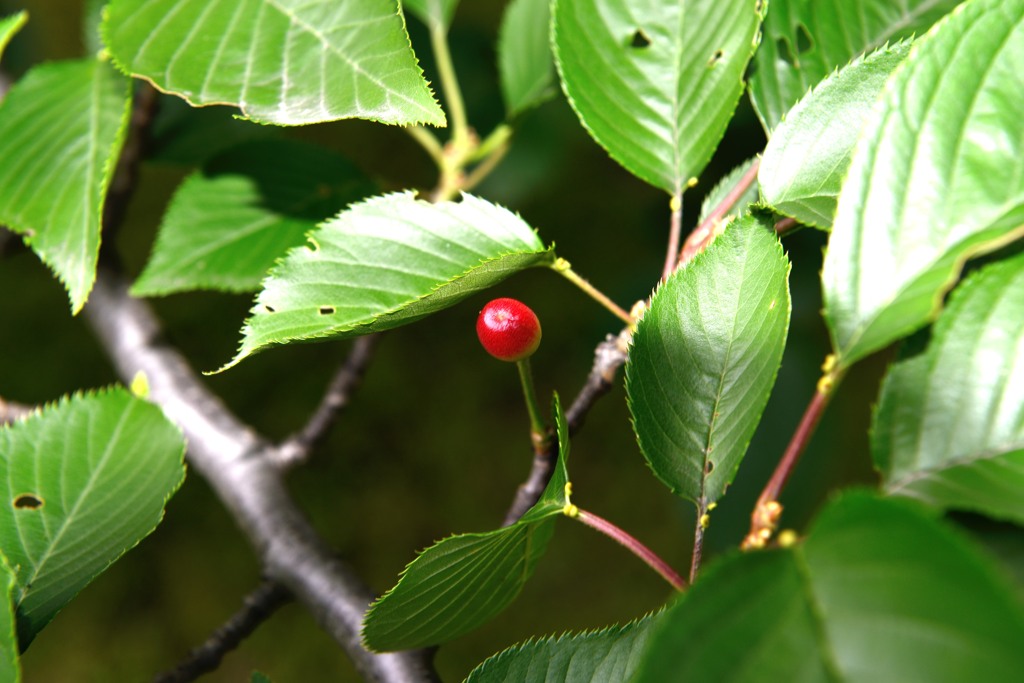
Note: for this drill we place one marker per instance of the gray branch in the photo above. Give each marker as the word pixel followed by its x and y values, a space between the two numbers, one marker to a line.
pixel 239 465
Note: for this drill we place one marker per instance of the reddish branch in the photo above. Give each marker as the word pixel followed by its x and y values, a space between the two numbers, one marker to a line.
pixel 11 411
pixel 706 231
pixel 765 518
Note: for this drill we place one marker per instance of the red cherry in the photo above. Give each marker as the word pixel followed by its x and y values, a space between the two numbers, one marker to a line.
pixel 508 329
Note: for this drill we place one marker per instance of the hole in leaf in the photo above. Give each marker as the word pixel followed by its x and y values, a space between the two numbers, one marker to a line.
pixel 709 467
pixel 327 310
pixel 759 6
pixel 28 501
pixel 313 245
pixel 782 46
pixel 804 42
pixel 716 58
pixel 269 309
pixel 640 39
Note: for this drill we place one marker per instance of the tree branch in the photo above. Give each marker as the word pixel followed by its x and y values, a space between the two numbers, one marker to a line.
pixel 609 356
pixel 257 607
pixel 297 448
pixel 240 466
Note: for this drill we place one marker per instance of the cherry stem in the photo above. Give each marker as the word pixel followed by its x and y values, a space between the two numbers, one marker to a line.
pixel 538 429
pixel 563 267
pixel 764 520
pixel 630 543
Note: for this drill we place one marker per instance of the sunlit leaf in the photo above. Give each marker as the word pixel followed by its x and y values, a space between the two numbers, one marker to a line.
pixel 83 481
pixel 950 424
pixel 230 221
pixel 806 160
pixel 704 359
pixel 386 262
pixel 805 40
pixel 464 581
pixel 288 62
pixel 938 175
pixel 655 83
pixel 611 654
pixel 61 128
pixel 879 591
pixel 525 64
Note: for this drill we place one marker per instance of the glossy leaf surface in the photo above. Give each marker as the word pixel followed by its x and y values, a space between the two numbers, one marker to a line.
pixel 808 155
pixel 82 482
pixel 287 62
pixel 611 654
pixel 949 428
pixel 655 83
pixel 464 581
pixel 61 128
pixel 704 359
pixel 385 262
pixel 525 63
pixel 230 221
pixel 937 176
pixel 805 40
pixel 878 591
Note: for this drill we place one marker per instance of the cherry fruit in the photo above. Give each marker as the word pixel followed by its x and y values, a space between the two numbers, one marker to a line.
pixel 508 329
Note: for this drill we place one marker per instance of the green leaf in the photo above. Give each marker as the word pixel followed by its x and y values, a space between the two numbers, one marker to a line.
pixel 949 428
pixel 938 176
pixel 611 654
pixel 259 677
pixel 805 40
pixel 722 189
pixel 286 62
pixel 84 480
pixel 464 581
pixel 386 262
pixel 655 83
pixel 9 26
pixel 525 64
pixel 61 129
pixel 807 157
pixel 187 136
pixel 10 665
pixel 228 223
pixel 879 591
pixel 704 359
pixel 432 12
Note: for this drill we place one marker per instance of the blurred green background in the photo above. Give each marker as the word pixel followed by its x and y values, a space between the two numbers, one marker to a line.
pixel 437 440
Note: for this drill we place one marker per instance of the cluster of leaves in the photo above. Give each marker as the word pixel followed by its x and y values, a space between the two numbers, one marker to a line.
pixel 899 138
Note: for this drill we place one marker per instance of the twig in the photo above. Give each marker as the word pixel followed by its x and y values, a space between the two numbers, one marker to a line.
pixel 765 518
pixel 257 607
pixel 698 540
pixel 11 411
pixel 349 375
pixel 630 543
pixel 706 231
pixel 675 229
pixel 785 225
pixel 240 466
pixel 609 356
